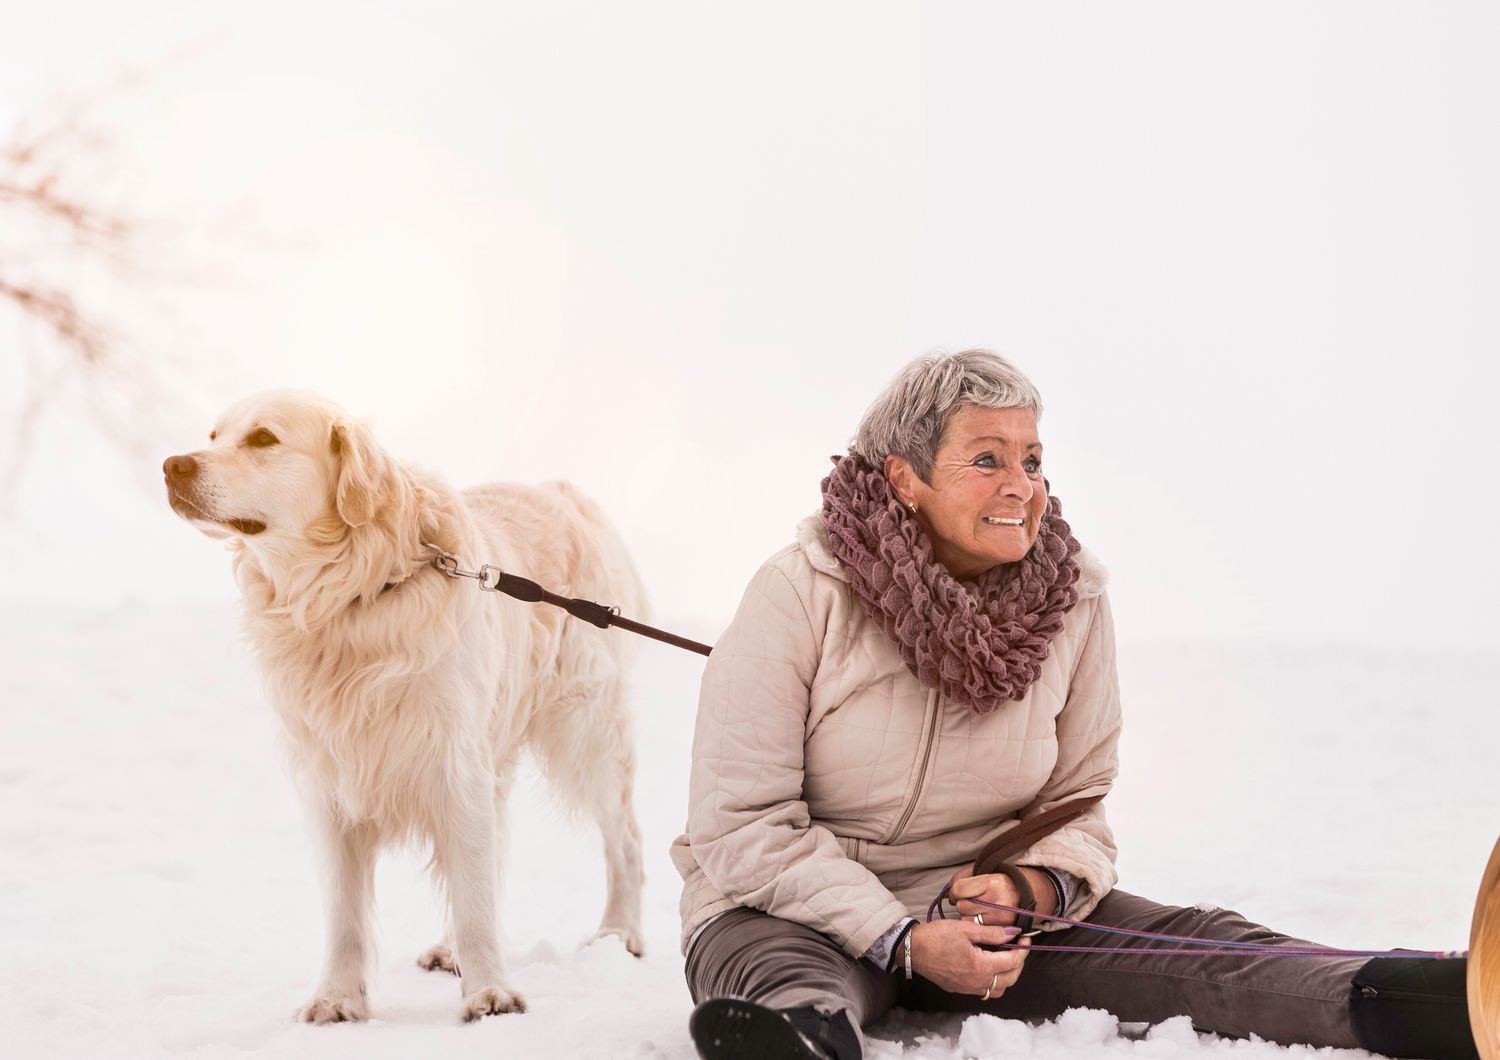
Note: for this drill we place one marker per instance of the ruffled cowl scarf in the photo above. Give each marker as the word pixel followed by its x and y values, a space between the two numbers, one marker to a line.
pixel 981 642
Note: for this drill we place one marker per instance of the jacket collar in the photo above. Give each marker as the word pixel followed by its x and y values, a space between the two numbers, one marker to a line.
pixel 813 539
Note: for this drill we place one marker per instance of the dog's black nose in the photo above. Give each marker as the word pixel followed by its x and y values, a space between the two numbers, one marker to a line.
pixel 179 467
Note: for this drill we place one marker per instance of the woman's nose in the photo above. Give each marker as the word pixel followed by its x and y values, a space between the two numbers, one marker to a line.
pixel 1016 483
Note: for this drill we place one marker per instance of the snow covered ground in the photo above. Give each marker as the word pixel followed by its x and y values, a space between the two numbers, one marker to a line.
pixel 157 896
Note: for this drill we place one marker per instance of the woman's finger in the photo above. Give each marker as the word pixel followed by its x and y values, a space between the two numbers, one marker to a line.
pixel 962 874
pixel 987 934
pixel 992 888
pixel 996 977
pixel 968 887
pixel 987 899
pixel 1004 962
pixel 969 910
pixel 997 890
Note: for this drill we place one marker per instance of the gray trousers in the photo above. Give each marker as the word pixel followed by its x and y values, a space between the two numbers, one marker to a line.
pixel 748 954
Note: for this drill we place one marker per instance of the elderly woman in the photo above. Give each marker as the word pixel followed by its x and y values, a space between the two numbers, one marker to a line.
pixel 928 668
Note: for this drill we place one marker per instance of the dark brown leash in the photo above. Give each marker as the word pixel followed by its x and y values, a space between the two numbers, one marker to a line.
pixel 493 579
pixel 994 859
pixel 1012 841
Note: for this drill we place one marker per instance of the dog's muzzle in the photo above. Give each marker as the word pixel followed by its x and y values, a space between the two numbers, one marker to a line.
pixel 180 473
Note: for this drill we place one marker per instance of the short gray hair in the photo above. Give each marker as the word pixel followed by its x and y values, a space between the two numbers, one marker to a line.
pixel 911 415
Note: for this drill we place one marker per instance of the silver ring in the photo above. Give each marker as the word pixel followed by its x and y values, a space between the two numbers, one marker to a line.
pixel 979 918
pixel 993 983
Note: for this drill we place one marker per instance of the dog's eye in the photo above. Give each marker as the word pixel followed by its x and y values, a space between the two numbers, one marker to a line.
pixel 260 439
pixel 212 435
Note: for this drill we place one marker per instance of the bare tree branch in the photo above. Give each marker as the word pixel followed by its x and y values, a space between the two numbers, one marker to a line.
pixel 112 310
pixel 58 229
pixel 58 311
pixel 35 190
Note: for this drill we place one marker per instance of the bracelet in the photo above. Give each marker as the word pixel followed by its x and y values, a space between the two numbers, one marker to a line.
pixel 907 940
pixel 893 962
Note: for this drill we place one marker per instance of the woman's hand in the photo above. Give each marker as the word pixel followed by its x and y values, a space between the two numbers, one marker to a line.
pixel 947 953
pixel 999 890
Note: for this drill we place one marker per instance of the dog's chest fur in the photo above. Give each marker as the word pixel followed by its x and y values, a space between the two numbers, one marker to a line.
pixel 377 705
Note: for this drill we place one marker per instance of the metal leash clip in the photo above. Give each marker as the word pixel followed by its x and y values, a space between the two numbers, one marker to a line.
pixel 487 575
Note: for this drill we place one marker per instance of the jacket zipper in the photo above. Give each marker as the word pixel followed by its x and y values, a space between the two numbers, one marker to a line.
pixel 935 705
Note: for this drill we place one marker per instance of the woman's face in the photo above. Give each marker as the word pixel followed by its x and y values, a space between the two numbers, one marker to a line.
pixel 986 498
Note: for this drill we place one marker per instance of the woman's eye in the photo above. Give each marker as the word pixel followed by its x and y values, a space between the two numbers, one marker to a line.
pixel 1033 465
pixel 261 438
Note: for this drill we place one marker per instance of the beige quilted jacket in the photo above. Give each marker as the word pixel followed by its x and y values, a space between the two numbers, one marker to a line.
pixel 831 788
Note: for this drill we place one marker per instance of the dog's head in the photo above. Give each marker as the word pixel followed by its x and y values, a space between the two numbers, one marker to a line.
pixel 280 466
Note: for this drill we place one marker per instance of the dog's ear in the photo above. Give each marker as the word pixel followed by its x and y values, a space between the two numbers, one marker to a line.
pixel 364 470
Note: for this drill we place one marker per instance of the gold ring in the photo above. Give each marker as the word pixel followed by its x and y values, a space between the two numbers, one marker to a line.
pixel 993 983
pixel 979 918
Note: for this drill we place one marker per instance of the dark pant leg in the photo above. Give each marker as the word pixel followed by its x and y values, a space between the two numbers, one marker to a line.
pixel 748 954
pixel 1282 999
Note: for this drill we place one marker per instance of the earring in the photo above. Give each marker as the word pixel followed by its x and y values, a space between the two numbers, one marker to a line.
pixel 913 506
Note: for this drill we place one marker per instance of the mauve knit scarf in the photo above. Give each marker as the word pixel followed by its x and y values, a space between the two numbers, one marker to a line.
pixel 980 642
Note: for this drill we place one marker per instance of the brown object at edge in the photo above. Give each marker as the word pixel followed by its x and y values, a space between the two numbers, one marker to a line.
pixel 1484 963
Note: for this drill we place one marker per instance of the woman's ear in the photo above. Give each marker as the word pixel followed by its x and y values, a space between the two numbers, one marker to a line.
pixel 899 473
pixel 364 471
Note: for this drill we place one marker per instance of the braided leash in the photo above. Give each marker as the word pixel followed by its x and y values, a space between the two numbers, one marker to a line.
pixel 1207 947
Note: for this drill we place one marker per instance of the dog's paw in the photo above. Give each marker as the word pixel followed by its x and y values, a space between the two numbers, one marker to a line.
pixel 631 937
pixel 334 1009
pixel 491 1001
pixel 438 959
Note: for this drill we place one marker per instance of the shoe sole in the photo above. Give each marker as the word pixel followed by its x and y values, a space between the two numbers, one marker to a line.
pixel 726 1028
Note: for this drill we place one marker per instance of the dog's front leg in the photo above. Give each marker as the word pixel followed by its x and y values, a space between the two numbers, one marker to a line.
pixel 466 856
pixel 348 893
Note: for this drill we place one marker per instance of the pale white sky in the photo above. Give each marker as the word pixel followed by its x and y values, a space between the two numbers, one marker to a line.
pixel 671 251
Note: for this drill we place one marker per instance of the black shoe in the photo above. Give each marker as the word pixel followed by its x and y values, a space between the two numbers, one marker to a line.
pixel 1406 1006
pixel 727 1028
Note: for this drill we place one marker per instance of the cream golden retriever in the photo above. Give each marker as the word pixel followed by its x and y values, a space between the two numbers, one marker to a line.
pixel 406 695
